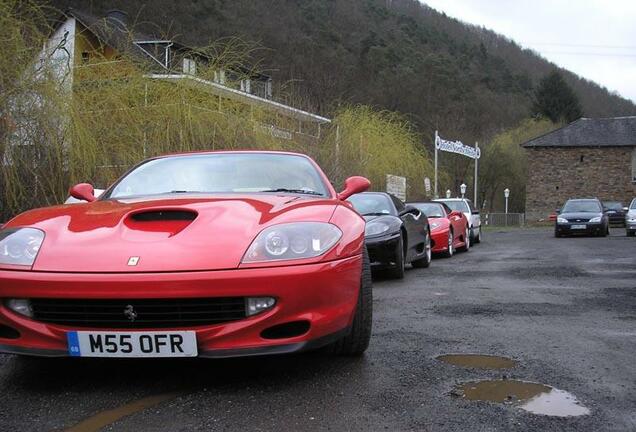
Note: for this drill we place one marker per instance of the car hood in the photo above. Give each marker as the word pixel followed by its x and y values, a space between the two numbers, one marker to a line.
pixel 184 234
pixel 580 215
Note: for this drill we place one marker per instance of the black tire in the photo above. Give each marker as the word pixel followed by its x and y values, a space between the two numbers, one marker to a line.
pixel 426 261
pixel 357 341
pixel 478 238
pixel 397 272
pixel 451 240
pixel 466 246
pixel 557 234
pixel 606 232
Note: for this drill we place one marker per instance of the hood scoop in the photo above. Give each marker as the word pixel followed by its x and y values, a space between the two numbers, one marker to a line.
pixel 157 224
pixel 163 215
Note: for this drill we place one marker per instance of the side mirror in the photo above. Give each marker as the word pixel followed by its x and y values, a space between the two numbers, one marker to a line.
pixel 354 185
pixel 625 209
pixel 409 210
pixel 83 191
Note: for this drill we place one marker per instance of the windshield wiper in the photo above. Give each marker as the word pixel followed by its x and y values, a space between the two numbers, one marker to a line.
pixel 375 214
pixel 183 191
pixel 299 191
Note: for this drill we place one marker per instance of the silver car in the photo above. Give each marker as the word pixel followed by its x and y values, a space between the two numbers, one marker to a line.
pixel 630 219
pixel 465 206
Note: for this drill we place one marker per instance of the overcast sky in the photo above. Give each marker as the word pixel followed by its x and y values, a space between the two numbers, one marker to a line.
pixel 595 39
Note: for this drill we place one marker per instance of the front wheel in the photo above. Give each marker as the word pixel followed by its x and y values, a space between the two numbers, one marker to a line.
pixel 357 341
pixel 466 246
pixel 478 237
pixel 397 272
pixel 426 260
pixel 451 248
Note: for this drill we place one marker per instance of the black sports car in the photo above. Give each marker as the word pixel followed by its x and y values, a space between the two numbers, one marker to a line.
pixel 582 216
pixel 395 234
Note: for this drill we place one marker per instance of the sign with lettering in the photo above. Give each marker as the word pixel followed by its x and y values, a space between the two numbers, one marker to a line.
pixel 457 147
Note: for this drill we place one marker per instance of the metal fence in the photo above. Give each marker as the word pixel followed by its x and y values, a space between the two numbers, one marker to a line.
pixel 505 219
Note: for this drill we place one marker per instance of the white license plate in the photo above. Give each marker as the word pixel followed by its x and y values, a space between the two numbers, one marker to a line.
pixel 132 344
pixel 578 227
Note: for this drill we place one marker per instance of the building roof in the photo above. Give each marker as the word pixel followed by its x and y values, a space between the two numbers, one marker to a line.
pixel 587 132
pixel 113 30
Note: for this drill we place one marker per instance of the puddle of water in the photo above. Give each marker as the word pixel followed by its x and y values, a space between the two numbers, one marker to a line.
pixel 532 397
pixel 555 403
pixel 478 361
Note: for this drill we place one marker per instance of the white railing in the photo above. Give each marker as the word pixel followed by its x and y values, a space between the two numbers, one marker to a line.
pixel 505 219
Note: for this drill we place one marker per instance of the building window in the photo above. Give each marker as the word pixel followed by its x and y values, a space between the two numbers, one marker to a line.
pixel 246 86
pixel 189 66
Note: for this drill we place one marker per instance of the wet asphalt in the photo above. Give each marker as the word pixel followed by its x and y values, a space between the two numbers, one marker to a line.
pixel 564 309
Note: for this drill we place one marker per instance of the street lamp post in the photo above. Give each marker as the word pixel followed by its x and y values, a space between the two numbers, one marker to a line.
pixel 506 194
pixel 448 193
pixel 463 189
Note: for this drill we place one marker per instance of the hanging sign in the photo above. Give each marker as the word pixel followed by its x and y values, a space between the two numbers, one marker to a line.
pixel 457 147
pixel 396 185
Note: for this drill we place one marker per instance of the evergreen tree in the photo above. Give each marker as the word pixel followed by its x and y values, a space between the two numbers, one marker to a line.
pixel 555 99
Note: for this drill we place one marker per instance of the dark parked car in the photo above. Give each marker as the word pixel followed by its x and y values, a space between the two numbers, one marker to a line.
pixel 616 212
pixel 396 234
pixel 582 216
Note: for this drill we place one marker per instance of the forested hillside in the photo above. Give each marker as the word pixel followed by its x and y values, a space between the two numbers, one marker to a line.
pixel 396 54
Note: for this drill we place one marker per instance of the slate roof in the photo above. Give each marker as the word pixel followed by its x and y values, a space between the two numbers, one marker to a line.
pixel 587 132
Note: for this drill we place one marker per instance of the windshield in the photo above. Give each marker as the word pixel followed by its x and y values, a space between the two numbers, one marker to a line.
pixel 612 205
pixel 431 210
pixel 581 207
pixel 460 206
pixel 633 205
pixel 214 173
pixel 372 204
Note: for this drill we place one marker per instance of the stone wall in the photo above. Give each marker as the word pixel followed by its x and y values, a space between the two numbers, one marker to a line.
pixel 556 174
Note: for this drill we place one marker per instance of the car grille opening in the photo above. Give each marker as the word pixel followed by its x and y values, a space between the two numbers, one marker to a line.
pixel 287 330
pixel 7 332
pixel 139 313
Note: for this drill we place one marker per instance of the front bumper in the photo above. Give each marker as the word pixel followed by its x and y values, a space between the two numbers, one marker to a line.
pixel 382 250
pixel 439 240
pixel 590 228
pixel 324 294
pixel 617 220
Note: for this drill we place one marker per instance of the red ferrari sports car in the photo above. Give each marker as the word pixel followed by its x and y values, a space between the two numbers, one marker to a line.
pixel 449 228
pixel 214 254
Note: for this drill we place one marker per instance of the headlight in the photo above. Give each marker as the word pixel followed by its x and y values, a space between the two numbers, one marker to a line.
pixel 374 228
pixel 562 220
pixel 435 225
pixel 20 246
pixel 292 241
pixel 595 219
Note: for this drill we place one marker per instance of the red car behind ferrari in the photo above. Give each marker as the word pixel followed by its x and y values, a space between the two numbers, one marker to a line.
pixel 449 228
pixel 212 254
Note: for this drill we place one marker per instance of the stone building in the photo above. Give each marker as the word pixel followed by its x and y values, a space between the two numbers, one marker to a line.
pixel 587 158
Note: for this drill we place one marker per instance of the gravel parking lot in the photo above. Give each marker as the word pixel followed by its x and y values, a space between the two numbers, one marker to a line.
pixel 564 309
